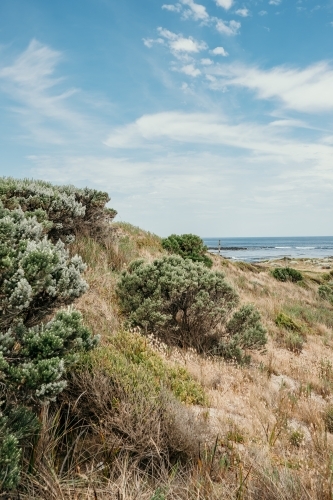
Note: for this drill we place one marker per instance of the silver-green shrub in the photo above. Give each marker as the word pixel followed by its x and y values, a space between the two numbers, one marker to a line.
pixel 326 292
pixel 36 277
pixel 62 210
pixel 186 304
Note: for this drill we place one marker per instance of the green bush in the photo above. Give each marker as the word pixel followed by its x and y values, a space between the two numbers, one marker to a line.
pixel 326 292
pixel 36 276
pixel 294 338
pixel 62 210
pixel 243 332
pixel 135 366
pixel 284 321
pixel 188 246
pixel 185 304
pixel 287 274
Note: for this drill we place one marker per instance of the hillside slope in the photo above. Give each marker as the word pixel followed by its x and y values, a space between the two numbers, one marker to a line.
pixel 260 431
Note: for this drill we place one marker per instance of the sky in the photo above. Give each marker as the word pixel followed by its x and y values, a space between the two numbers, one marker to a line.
pixel 212 117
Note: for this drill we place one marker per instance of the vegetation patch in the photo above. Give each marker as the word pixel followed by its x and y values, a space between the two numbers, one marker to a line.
pixel 284 321
pixel 287 274
pixel 188 246
pixel 132 364
pixel 294 337
pixel 36 278
pixel 326 292
pixel 62 210
pixel 185 304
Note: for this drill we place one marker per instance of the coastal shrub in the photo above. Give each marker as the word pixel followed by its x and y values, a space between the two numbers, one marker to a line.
pixel 287 274
pixel 62 210
pixel 243 331
pixel 132 364
pixel 284 321
pixel 36 276
pixel 188 246
pixel 326 292
pixel 188 305
pixel 293 339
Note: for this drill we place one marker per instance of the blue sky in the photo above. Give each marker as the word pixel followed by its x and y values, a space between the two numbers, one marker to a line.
pixel 213 116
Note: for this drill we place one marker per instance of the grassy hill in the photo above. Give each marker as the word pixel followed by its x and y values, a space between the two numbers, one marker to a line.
pixel 140 419
pixel 230 431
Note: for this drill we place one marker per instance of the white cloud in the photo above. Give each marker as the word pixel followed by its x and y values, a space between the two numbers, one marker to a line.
pixel 178 43
pixel 228 28
pixel 197 11
pixel 172 8
pixel 149 42
pixel 243 12
pixel 219 51
pixel 191 70
pixel 307 90
pixel 274 2
pixel 262 13
pixel 198 168
pixel 206 62
pixel 207 128
pixel 30 81
pixel 288 123
pixel 226 4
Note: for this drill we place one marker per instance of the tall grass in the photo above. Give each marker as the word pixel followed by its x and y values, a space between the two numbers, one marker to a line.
pixel 138 421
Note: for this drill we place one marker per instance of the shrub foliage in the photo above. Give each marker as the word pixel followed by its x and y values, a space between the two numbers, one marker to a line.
pixel 186 304
pixel 62 210
pixel 37 276
pixel 326 292
pixel 188 246
pixel 287 274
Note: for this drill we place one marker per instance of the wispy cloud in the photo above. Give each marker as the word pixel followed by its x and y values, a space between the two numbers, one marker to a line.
pixel 207 128
pixel 191 10
pixel 179 43
pixel 219 51
pixel 243 12
pixel 31 82
pixel 306 90
pixel 190 70
pixel 226 4
pixel 274 2
pixel 229 28
pixel 196 11
pixel 206 61
pixel 172 8
pixel 149 42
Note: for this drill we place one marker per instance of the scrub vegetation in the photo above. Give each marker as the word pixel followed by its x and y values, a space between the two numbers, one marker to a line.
pixel 130 371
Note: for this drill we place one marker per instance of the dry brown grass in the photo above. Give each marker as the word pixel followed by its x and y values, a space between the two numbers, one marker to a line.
pixel 262 434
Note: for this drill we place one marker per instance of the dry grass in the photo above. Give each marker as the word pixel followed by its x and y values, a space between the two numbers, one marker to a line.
pixel 261 434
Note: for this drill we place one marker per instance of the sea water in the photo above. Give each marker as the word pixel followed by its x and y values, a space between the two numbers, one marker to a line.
pixel 258 249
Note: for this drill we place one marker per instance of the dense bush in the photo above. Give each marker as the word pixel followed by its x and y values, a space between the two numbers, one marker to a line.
pixel 36 276
pixel 326 292
pixel 185 304
pixel 287 274
pixel 62 210
pixel 243 332
pixel 188 246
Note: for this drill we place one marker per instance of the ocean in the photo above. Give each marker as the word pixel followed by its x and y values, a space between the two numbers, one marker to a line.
pixel 258 249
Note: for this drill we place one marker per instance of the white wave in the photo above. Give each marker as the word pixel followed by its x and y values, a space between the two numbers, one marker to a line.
pixel 305 248
pixel 283 247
